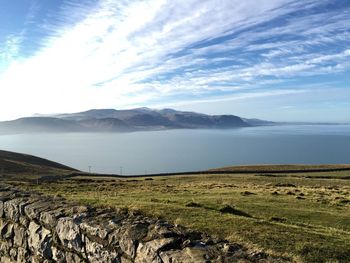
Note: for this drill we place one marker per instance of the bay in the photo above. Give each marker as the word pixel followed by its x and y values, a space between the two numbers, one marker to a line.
pixel 188 150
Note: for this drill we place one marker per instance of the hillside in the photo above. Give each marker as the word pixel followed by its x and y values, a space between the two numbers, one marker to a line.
pixel 23 164
pixel 301 217
pixel 290 168
pixel 294 216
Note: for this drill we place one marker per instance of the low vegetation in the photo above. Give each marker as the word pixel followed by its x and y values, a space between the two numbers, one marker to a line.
pixel 304 217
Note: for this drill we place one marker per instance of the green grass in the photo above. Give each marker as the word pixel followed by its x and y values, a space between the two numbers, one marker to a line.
pixel 305 219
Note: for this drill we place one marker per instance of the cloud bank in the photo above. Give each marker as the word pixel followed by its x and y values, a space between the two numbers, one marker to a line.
pixel 164 52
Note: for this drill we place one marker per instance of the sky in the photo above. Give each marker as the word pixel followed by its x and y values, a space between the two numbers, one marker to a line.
pixel 280 60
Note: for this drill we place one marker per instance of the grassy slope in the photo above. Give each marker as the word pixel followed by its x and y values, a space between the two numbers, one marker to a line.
pixel 24 165
pixel 306 219
pixel 303 216
pixel 282 168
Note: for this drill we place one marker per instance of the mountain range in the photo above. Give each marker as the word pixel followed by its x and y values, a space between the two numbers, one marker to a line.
pixel 139 119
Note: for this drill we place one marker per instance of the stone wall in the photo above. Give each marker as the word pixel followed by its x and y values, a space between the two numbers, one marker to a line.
pixel 35 228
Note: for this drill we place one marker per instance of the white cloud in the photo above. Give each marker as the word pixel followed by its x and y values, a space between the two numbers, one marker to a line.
pixel 102 55
pixel 11 46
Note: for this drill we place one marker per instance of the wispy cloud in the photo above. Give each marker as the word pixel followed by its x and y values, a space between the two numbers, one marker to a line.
pixel 122 53
pixel 11 46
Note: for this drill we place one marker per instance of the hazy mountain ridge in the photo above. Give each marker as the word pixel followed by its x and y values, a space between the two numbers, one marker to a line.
pixel 111 120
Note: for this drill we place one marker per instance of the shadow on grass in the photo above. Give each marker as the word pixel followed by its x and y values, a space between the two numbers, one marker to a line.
pixel 227 209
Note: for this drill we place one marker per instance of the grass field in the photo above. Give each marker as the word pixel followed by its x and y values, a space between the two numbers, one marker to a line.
pixel 304 217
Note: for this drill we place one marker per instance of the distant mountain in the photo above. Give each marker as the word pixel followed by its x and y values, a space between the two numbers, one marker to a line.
pixel 111 120
pixel 39 124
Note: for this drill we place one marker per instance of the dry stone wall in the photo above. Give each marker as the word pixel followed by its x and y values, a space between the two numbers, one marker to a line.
pixel 35 228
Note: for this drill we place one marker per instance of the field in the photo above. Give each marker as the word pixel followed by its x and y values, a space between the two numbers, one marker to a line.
pixel 304 217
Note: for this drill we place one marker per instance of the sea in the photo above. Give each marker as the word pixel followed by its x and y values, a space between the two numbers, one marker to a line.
pixel 187 150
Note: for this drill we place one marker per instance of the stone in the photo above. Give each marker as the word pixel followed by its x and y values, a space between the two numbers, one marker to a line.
pixel 96 253
pixel 187 255
pixel 33 210
pixel 125 260
pixel 197 254
pixel 49 218
pixel 39 240
pixel 6 231
pixel 22 255
pixel 93 228
pixel 19 239
pixel 148 252
pixel 1 208
pixel 5 248
pixel 175 256
pixel 69 234
pixel 160 231
pixel 24 221
pixel 13 254
pixel 4 259
pixel 11 210
pixel 129 237
pixel 58 255
pixel 128 246
pixel 71 257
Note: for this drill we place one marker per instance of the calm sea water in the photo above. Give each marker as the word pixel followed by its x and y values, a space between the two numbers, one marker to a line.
pixel 184 150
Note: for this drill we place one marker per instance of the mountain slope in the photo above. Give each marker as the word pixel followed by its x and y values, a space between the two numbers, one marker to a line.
pixel 111 120
pixel 39 124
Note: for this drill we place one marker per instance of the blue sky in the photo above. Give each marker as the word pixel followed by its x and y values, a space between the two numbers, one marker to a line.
pixel 272 59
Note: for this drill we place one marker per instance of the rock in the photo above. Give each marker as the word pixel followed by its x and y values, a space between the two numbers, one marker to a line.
pixel 11 210
pixel 148 252
pixel 92 248
pixel 4 259
pixel 69 234
pixel 71 257
pixel 22 254
pixel 39 240
pixel 19 239
pixel 24 221
pixel 6 230
pixel 128 246
pixel 49 218
pixel 188 255
pixel 5 248
pixel 58 255
pixel 96 253
pixel 1 208
pixel 175 256
pixel 93 228
pixel 33 210
pixel 129 237
pixel 161 230
pixel 197 254
pixel 13 254
pixel 126 260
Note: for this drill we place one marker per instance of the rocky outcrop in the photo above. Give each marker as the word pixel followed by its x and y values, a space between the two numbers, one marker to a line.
pixel 35 228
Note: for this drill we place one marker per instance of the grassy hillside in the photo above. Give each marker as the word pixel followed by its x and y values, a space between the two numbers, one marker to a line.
pixel 302 216
pixel 288 215
pixel 24 165
pixel 284 168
